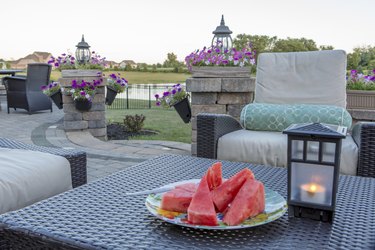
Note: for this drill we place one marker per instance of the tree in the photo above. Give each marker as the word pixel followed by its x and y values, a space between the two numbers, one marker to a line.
pixel 259 43
pixel 362 58
pixel 171 61
pixel 326 47
pixel 294 44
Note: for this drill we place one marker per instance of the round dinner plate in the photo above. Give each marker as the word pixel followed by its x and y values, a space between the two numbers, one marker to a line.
pixel 276 206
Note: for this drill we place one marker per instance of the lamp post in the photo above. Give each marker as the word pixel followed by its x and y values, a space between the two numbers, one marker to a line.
pixel 313 169
pixel 222 36
pixel 83 53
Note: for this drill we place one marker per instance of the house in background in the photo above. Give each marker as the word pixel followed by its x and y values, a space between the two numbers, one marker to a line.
pixel 128 62
pixel 36 57
pixel 111 64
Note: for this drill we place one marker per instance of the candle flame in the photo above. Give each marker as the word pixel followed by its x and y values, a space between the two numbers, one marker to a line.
pixel 313 187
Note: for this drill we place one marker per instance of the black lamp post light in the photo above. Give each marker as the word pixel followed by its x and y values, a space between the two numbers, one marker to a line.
pixel 313 169
pixel 222 36
pixel 83 53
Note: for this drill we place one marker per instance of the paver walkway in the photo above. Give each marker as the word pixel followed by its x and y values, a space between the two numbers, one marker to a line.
pixel 45 128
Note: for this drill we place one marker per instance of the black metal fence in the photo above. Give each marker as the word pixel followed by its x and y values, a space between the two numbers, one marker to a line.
pixel 139 96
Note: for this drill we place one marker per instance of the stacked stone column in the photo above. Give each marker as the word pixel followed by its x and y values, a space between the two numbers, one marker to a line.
pixel 93 120
pixel 219 91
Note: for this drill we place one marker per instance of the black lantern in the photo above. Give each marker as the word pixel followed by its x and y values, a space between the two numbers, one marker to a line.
pixel 313 169
pixel 222 36
pixel 83 53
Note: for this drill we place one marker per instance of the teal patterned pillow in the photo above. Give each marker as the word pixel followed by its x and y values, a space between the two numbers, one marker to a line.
pixel 277 117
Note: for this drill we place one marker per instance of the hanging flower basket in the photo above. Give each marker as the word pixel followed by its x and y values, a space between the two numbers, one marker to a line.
pixel 111 95
pixel 57 99
pixel 183 109
pixel 82 105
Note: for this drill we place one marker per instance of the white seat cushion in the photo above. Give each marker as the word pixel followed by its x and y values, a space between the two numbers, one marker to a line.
pixel 28 176
pixel 270 148
pixel 314 77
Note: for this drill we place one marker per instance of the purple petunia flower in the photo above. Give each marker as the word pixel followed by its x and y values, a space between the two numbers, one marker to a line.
pixel 157 103
pixel 173 91
pixel 157 96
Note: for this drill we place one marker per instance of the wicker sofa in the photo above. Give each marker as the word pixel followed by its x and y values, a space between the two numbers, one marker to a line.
pixel 298 78
pixel 76 158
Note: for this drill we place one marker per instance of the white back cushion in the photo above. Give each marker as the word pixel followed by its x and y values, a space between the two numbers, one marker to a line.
pixel 316 77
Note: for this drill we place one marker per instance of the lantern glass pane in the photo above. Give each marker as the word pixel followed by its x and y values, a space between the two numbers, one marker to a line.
pixel 297 149
pixel 312 150
pixel 329 150
pixel 311 183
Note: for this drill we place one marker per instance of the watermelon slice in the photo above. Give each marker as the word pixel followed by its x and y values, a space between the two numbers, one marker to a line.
pixel 178 199
pixel 225 193
pixel 202 210
pixel 214 176
pixel 249 201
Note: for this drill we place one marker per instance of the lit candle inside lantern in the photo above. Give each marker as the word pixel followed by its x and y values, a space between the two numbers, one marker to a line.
pixel 313 193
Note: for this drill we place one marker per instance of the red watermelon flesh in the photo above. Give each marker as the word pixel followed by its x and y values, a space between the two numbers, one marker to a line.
pixel 225 193
pixel 214 176
pixel 178 199
pixel 249 201
pixel 202 210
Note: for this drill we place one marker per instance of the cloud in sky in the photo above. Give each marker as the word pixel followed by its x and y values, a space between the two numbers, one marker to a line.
pixel 146 30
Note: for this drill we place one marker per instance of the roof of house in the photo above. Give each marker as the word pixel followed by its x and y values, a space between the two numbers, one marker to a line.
pixel 128 62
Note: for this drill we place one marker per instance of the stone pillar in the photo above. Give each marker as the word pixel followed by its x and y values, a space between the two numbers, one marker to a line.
pixel 220 90
pixel 93 120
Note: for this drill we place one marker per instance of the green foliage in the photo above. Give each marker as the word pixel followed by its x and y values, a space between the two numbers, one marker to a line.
pixel 273 44
pixel 134 123
pixel 362 58
pixel 294 44
pixel 361 86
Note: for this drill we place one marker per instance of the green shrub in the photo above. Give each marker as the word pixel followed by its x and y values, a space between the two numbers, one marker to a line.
pixel 134 123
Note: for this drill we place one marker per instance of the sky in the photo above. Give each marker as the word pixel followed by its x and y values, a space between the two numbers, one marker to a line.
pixel 147 30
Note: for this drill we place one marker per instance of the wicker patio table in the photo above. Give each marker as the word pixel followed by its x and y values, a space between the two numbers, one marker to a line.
pixel 99 216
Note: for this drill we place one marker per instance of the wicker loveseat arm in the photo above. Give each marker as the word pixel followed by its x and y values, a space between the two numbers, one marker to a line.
pixel 364 136
pixel 210 127
pixel 76 158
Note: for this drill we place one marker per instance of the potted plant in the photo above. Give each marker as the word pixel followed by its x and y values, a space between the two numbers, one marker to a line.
pixel 177 97
pixel 53 90
pixel 214 62
pixel 361 90
pixel 115 84
pixel 83 93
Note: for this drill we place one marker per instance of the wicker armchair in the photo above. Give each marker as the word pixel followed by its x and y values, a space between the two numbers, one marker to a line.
pixel 289 78
pixel 77 159
pixel 25 93
pixel 210 127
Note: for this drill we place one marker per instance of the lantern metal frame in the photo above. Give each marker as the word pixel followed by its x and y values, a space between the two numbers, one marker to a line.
pixel 83 53
pixel 222 35
pixel 320 133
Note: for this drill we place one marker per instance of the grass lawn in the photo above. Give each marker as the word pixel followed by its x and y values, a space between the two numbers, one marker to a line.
pixel 140 77
pixel 167 122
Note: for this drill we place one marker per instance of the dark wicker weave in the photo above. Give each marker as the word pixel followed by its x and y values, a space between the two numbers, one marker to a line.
pixel 99 215
pixel 210 127
pixel 76 158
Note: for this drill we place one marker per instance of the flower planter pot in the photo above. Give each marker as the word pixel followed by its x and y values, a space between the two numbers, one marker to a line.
pixel 220 72
pixel 57 99
pixel 183 109
pixel 110 96
pixel 360 99
pixel 83 105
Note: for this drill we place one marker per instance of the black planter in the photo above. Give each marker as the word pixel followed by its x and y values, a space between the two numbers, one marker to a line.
pixel 83 105
pixel 57 99
pixel 183 109
pixel 111 95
